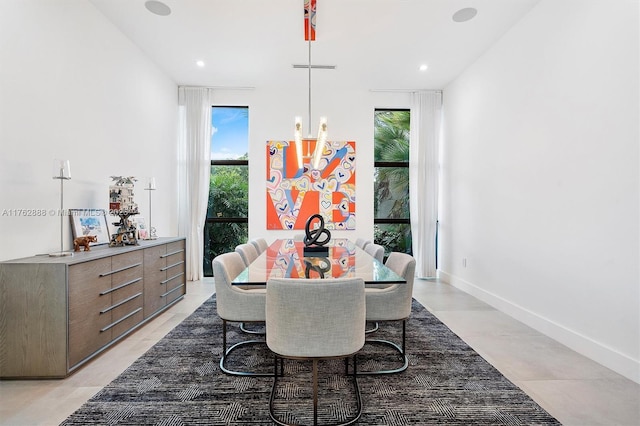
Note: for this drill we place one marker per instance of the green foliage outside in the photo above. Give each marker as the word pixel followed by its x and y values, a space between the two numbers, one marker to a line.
pixel 228 198
pixel 391 186
pixel 393 237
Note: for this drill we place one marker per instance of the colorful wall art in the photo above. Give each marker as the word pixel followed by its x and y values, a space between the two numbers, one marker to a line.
pixel 295 193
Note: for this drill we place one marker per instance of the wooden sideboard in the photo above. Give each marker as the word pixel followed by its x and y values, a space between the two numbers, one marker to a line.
pixel 57 313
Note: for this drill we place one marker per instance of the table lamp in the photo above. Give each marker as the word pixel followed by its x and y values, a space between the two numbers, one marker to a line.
pixel 62 172
pixel 151 186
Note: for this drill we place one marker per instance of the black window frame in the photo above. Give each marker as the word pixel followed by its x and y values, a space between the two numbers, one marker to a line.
pixel 392 164
pixel 398 164
pixel 218 220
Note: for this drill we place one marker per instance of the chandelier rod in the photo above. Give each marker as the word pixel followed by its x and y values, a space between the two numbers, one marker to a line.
pixel 309 68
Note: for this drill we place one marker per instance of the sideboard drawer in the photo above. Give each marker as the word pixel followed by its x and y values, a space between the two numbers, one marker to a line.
pixel 127 298
pixel 89 297
pixel 154 276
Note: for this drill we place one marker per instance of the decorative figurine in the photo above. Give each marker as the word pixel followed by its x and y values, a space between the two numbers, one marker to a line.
pixel 84 241
pixel 121 204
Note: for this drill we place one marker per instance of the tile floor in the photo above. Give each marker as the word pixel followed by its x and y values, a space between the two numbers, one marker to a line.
pixel 574 389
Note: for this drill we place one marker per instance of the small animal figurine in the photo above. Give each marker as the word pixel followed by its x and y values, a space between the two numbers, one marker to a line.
pixel 84 241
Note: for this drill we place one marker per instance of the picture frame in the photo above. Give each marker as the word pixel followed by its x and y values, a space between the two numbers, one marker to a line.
pixel 90 222
pixel 141 227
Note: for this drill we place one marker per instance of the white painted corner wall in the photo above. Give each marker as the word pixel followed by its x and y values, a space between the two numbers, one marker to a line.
pixel 541 178
pixel 74 87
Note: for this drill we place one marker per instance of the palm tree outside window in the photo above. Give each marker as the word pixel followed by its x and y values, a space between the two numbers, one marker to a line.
pixel 392 226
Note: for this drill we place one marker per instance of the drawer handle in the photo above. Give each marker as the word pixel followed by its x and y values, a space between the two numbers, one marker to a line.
pixel 121 269
pixel 171 291
pixel 120 320
pixel 172 253
pixel 169 279
pixel 120 286
pixel 171 266
pixel 122 302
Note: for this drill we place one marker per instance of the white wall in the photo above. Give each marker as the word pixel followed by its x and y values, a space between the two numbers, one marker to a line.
pixel 73 87
pixel 540 177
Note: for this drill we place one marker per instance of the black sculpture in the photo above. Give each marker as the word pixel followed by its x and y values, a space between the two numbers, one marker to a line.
pixel 313 244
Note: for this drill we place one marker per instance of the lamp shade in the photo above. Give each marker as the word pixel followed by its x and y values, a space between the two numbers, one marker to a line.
pixel 61 169
pixel 151 183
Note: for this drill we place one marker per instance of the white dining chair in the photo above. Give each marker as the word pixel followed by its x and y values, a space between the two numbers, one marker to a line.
pixel 360 242
pixel 260 244
pixel 393 303
pixel 375 250
pixel 235 304
pixel 315 319
pixel 248 252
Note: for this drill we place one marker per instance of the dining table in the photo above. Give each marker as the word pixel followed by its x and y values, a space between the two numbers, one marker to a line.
pixel 339 258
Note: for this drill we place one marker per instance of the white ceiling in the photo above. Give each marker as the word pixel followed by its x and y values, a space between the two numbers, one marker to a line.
pixel 375 44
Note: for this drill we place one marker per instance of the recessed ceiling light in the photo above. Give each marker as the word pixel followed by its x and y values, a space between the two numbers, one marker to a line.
pixel 200 63
pixel 423 67
pixel 157 7
pixel 465 14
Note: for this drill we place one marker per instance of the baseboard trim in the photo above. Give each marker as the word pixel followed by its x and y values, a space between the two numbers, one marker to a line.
pixel 584 345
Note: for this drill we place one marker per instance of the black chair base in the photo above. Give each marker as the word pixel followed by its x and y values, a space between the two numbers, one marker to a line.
pixel 226 352
pixel 405 360
pixel 350 421
pixel 400 349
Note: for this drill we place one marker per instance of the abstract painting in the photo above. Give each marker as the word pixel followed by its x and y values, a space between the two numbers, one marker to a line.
pixel 295 193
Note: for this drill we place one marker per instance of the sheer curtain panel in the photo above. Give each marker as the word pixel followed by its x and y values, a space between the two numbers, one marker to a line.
pixel 426 121
pixel 195 170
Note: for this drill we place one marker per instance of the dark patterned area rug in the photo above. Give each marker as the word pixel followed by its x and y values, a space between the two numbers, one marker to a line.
pixel 178 382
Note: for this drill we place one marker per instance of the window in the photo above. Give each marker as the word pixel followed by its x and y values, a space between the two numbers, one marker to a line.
pixel 227 212
pixel 392 227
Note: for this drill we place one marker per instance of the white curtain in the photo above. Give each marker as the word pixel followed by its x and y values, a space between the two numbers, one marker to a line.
pixel 195 169
pixel 426 120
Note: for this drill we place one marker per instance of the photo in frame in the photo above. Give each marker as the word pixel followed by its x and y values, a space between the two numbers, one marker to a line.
pixel 90 222
pixel 141 227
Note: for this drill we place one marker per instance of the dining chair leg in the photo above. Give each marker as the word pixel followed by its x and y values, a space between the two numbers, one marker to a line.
pixel 246 330
pixel 401 350
pixel 315 392
pixel 224 337
pixel 355 366
pixel 226 352
pixel 272 397
pixel 373 329
pixel 275 366
pixel 357 390
pixel 358 395
pixel 404 338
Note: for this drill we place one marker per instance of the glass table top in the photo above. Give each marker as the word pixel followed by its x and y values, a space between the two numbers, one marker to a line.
pixel 285 258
